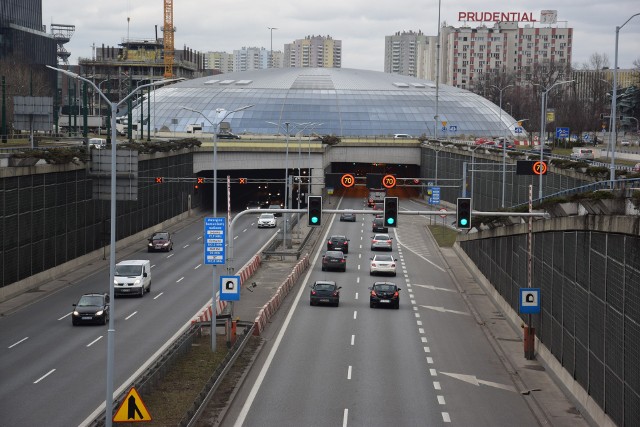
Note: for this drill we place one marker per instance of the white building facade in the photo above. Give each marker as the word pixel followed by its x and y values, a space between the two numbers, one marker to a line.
pixel 313 51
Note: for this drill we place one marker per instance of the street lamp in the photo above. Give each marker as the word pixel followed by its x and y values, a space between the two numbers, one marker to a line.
pixel 436 117
pixel 271 54
pixel 313 125
pixel 543 125
pixel 215 200
pixel 504 165
pixel 112 248
pixel 504 143
pixel 613 137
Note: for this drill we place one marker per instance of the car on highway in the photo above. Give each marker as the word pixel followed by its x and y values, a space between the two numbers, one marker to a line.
pixel 254 204
pixel 334 260
pixel 384 294
pixel 274 206
pixel 348 217
pixel 382 264
pixel 91 308
pixel 160 241
pixel 228 135
pixel 625 143
pixel 381 242
pixel 267 220
pixel 324 292
pixel 377 226
pixel 338 243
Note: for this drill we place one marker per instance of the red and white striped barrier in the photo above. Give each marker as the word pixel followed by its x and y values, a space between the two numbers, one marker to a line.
pixel 245 273
pixel 274 303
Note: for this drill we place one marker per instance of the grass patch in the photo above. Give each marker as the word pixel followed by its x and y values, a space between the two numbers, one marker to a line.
pixel 445 236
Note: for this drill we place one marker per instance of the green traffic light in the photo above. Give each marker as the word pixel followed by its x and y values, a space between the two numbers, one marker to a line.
pixel 464 221
pixel 314 219
pixel 390 221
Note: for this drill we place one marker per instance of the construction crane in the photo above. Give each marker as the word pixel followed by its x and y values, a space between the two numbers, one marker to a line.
pixel 168 31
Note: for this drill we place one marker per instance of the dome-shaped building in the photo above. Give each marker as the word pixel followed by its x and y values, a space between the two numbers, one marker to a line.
pixel 338 101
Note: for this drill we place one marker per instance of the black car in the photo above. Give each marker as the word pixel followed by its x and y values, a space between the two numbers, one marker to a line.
pixel 160 241
pixel 338 243
pixel 325 292
pixel 91 308
pixel 377 226
pixel 228 135
pixel 334 260
pixel 348 216
pixel 384 293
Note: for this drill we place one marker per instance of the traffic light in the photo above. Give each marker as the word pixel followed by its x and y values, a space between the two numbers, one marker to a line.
pixel 463 213
pixel 314 211
pixel 391 211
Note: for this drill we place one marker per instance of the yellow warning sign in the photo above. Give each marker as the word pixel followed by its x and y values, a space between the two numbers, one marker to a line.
pixel 132 409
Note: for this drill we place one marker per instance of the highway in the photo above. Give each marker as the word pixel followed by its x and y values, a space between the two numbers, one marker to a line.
pixel 54 374
pixel 428 363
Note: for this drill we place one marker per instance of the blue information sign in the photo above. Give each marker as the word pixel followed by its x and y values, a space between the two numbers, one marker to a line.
pixel 435 196
pixel 229 288
pixel 562 132
pixel 214 240
pixel 529 300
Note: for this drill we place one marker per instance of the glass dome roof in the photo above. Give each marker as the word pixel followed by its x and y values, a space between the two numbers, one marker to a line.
pixel 339 101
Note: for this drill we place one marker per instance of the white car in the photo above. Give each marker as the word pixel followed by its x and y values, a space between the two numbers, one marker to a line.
pixel 267 220
pixel 383 264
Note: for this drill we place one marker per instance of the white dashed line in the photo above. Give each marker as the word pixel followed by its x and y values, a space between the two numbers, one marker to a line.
pixel 197 266
pixel 413 301
pixel 349 373
pixel 23 339
pixel 244 230
pixel 430 360
pixel 415 308
pixel 441 400
pixel 158 296
pixel 355 314
pixel 94 341
pixel 353 339
pixel 180 280
pixel 445 417
pixel 427 350
pixel 424 339
pixel 420 330
pixel 131 315
pixel 419 322
pixel 358 279
pixel 356 295
pixel 169 256
pixel 345 417
pixel 417 315
pixel 44 376
pixel 436 385
pixel 433 372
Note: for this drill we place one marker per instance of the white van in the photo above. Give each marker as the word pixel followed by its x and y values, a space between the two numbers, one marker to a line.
pixel 98 143
pixel 582 154
pixel 132 277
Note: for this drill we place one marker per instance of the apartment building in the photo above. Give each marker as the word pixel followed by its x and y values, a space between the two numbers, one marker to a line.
pixel 313 51
pixel 410 53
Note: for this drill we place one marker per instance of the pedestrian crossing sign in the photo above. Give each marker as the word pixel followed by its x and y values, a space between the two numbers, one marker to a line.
pixel 132 409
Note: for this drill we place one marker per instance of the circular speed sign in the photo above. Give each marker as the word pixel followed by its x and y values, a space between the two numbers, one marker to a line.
pixel 389 181
pixel 347 180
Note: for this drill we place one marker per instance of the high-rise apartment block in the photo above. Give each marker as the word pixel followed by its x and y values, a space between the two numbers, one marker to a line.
pixel 313 51
pixel 408 53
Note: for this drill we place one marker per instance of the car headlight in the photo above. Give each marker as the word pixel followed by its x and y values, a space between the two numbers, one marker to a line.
pixel 150 244
pixel 137 282
pixel 99 313
pixel 75 313
pixel 166 244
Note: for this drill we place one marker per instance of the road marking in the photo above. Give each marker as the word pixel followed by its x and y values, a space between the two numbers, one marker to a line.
pixel 131 315
pixel 356 295
pixel 436 385
pixel 94 341
pixel 199 237
pixel 235 237
pixel 424 339
pixel 349 373
pixel 445 417
pixel 358 279
pixel 417 254
pixel 158 296
pixel 23 339
pixel 355 314
pixel 417 315
pixel 445 310
pixel 413 301
pixel 472 379
pixel 353 338
pixel 44 376
pixel 358 266
pixel 359 256
pixel 344 417
pixel 427 350
pixel 421 330
pixel 180 280
pixel 244 230
pixel 435 288
pixel 430 360
pixel 433 372
pixel 419 322
pixel 415 308
pixel 197 266
pixel 441 400
pixel 60 318
pixel 169 256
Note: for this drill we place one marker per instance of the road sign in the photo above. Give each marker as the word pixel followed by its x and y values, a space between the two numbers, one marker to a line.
pixel 347 180
pixel 453 128
pixel 229 288
pixel 389 181
pixel 443 128
pixel 518 129
pixel 586 137
pixel 435 196
pixel 529 300
pixel 443 210
pixel 132 409
pixel 562 132
pixel 214 240
pixel 531 167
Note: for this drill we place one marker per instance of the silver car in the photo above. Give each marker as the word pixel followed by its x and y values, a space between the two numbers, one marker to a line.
pixel 383 264
pixel 381 242
pixel 267 220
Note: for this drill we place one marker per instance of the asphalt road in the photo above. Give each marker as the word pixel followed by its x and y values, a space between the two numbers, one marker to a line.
pixel 55 374
pixel 428 363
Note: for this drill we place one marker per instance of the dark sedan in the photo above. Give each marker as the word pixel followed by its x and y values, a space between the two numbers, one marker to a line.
pixel 384 294
pixel 348 217
pixel 91 308
pixel 334 260
pixel 325 292
pixel 338 243
pixel 160 241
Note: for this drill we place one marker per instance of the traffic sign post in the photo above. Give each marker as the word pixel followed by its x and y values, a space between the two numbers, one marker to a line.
pixel 562 133
pixel 529 303
pixel 230 288
pixel 434 196
pixel 214 241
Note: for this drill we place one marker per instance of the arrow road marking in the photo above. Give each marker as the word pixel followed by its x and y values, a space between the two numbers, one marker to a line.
pixel 472 379
pixel 444 310
pixel 435 288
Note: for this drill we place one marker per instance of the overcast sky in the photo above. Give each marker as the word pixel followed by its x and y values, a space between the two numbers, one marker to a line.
pixel 225 25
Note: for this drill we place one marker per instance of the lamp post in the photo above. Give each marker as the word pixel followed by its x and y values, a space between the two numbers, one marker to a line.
pixel 313 125
pixel 436 117
pixel 543 125
pixel 504 166
pixel 215 201
pixel 112 245
pixel 271 54
pixel 504 143
pixel 613 137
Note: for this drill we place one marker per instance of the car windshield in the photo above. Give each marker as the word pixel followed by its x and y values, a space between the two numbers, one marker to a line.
pixel 128 270
pixel 90 300
pixel 325 287
pixel 267 216
pixel 334 254
pixel 383 258
pixel 384 288
pixel 381 237
pixel 338 238
pixel 160 236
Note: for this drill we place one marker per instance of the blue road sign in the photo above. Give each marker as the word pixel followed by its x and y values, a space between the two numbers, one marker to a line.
pixel 214 240
pixel 435 196
pixel 229 288
pixel 443 129
pixel 562 132
pixel 586 137
pixel 529 300
pixel 453 128
pixel 518 129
